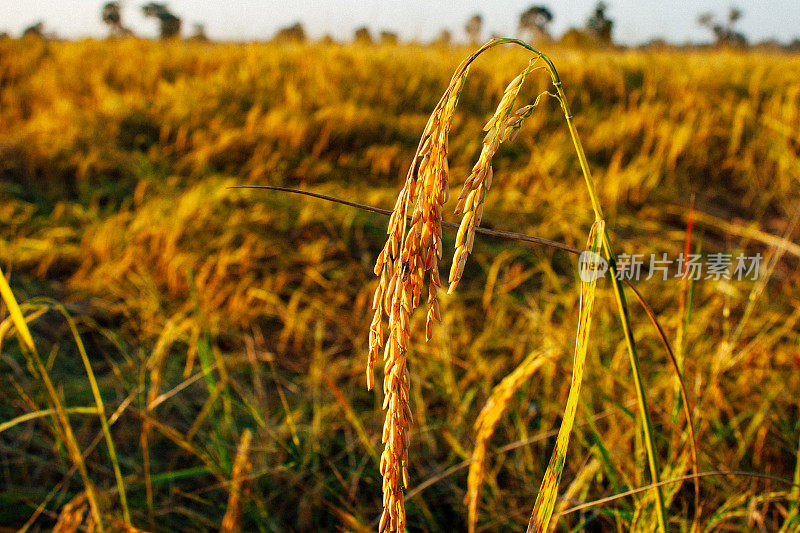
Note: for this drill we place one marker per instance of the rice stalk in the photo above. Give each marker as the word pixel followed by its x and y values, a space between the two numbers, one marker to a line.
pixel 411 252
pixel 502 126
pixel 413 248
pixel 486 423
pixel 619 294
pixel 548 492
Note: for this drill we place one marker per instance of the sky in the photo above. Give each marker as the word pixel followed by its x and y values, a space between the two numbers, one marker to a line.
pixel 636 21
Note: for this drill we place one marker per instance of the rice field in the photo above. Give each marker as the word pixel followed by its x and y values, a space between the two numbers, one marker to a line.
pixel 189 357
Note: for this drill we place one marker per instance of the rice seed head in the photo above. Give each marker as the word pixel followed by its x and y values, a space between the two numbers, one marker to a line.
pixel 487 422
pixel 410 257
pixel 473 194
pixel 231 522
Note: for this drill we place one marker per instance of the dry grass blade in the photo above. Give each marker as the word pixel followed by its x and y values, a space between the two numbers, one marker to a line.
pixel 16 314
pixel 232 521
pixel 485 426
pixel 680 479
pixel 546 499
pixel 778 242
pixel 43 413
pixel 351 416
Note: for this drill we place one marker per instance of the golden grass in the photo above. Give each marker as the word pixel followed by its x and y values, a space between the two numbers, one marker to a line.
pixel 206 312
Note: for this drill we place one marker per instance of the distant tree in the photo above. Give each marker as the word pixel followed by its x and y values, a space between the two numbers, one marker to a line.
pixel 724 33
pixel 35 30
pixel 389 37
pixel 473 28
pixel 445 38
pixel 794 45
pixel 4 35
pixel 535 21
pixel 706 19
pixel 599 26
pixel 111 13
pixel 170 23
pixel 199 32
pixel 363 36
pixel 295 32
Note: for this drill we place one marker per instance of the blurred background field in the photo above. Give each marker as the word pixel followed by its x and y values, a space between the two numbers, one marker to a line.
pixel 206 312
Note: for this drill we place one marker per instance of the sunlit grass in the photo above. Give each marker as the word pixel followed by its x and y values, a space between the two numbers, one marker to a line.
pixel 206 312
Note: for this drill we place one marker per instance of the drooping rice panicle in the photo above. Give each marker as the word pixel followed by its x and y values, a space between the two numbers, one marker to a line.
pixel 502 126
pixel 412 251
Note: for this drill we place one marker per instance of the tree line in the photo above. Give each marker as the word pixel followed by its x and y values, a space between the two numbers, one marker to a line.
pixel 533 24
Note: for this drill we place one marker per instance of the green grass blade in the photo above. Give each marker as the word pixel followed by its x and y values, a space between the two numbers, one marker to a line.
pixel 641 398
pixel 546 499
pixel 101 411
pixel 793 518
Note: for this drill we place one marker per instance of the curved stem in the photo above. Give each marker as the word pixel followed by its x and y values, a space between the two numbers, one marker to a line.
pixel 619 292
pixel 622 308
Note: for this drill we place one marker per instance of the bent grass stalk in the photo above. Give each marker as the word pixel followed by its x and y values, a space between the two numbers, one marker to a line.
pixel 62 412
pixel 412 250
pixel 546 499
pixel 486 423
pixel 101 411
